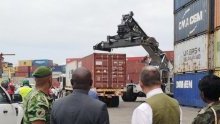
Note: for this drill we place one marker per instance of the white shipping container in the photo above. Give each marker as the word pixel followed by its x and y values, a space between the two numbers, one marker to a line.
pixel 217 49
pixel 70 67
pixel 191 55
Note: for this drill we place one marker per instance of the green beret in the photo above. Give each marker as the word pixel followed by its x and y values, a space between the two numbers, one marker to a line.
pixel 42 72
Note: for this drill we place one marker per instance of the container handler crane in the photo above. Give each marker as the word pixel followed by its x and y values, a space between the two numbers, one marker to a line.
pixel 130 34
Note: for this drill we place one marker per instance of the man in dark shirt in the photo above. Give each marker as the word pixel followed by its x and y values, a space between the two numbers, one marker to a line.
pixel 78 107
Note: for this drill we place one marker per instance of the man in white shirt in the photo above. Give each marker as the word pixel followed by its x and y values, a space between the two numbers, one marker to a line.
pixel 158 108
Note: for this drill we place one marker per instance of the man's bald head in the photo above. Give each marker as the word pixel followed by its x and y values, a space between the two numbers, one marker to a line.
pixel 81 79
pixel 150 76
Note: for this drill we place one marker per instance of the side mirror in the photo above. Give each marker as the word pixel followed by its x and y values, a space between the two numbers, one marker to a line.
pixel 17 98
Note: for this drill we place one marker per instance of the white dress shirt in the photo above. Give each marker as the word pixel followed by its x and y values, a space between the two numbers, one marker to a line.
pixel 143 114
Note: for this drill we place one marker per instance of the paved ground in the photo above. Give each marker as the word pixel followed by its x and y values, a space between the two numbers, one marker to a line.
pixel 122 114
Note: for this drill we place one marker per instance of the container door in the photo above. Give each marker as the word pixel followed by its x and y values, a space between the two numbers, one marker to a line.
pixel 186 89
pixel 118 71
pixel 101 71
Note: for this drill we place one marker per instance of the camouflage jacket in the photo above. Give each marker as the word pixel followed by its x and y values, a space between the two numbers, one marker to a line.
pixel 37 106
pixel 206 115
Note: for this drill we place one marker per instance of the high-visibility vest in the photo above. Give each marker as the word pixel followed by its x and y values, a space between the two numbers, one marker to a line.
pixel 23 91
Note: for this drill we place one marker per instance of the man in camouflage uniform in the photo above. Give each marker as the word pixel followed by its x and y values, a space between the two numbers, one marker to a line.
pixel 37 104
pixel 209 88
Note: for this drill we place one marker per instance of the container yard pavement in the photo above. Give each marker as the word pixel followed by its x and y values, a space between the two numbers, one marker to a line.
pixel 123 114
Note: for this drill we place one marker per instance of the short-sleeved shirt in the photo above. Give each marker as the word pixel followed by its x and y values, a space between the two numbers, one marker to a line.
pixel 206 115
pixel 37 106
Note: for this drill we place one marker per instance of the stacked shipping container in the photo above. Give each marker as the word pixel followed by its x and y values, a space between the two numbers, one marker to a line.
pixel 194 24
pixel 25 68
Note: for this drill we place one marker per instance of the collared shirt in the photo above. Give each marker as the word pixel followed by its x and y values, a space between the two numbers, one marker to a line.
pixel 93 94
pixel 143 114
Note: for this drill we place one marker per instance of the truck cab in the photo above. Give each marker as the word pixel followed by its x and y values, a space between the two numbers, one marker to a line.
pixel 11 111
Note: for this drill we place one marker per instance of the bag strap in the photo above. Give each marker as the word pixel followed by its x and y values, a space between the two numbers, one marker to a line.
pixel 216 120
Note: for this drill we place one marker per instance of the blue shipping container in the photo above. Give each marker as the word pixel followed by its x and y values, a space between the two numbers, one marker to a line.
pixel 186 89
pixel 193 20
pixel 42 62
pixel 180 3
pixel 60 68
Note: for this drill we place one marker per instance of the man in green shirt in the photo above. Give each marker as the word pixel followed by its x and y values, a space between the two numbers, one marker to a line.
pixel 158 108
pixel 37 104
pixel 209 88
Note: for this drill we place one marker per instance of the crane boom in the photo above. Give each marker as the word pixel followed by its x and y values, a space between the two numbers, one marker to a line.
pixel 130 34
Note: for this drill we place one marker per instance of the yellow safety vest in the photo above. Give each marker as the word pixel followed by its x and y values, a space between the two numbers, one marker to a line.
pixel 23 91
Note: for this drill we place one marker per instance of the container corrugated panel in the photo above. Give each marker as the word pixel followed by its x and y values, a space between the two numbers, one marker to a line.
pixel 217 14
pixel 217 73
pixel 108 70
pixel 70 67
pixel 25 63
pixel 22 74
pixel 134 67
pixel 169 55
pixel 60 68
pixel 63 67
pixel 23 69
pixel 178 4
pixel 186 89
pixel 191 55
pixel 192 20
pixel 42 62
pixel 57 68
pixel 217 49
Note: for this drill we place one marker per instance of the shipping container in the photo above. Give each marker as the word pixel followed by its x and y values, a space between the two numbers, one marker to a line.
pixel 42 62
pixel 57 68
pixel 25 63
pixel 169 55
pixel 32 69
pixel 195 19
pixel 217 49
pixel 217 73
pixel 20 74
pixel 179 4
pixel 22 69
pixel 70 67
pixel 186 89
pixel 191 55
pixel 217 14
pixel 9 69
pixel 134 66
pixel 108 70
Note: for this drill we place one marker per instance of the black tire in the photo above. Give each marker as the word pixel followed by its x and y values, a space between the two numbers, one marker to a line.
pixel 124 97
pixel 114 101
pixel 131 97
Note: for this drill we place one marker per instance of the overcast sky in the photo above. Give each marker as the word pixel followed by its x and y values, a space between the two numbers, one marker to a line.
pixel 60 29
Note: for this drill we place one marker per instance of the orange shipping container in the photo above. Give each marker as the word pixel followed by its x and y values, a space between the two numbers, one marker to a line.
pixel 134 67
pixel 25 75
pixel 108 70
pixel 23 69
pixel 217 13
